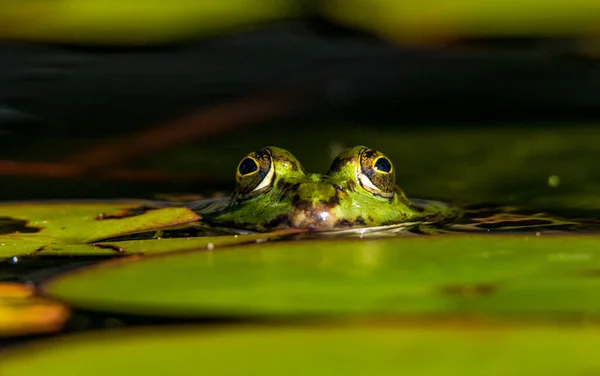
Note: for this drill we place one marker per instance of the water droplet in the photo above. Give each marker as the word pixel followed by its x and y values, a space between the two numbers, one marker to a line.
pixel 553 181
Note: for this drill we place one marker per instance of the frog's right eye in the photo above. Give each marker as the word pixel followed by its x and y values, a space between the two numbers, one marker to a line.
pixel 247 166
pixel 376 173
pixel 255 174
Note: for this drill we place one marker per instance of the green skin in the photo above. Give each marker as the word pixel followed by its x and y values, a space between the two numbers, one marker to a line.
pixel 274 192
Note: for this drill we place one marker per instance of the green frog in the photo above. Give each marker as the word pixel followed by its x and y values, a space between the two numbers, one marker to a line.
pixel 359 192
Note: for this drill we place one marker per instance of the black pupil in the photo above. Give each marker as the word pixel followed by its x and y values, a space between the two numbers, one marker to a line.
pixel 383 164
pixel 247 166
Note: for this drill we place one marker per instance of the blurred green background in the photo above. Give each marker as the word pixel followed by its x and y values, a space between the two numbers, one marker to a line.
pixel 474 101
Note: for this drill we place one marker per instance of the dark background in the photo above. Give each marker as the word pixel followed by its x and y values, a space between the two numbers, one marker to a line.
pixel 58 101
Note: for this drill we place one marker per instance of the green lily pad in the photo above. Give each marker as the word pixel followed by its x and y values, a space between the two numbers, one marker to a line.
pixel 77 228
pixel 85 222
pixel 124 22
pixel 154 246
pixel 443 20
pixel 451 274
pixel 314 350
pixel 45 224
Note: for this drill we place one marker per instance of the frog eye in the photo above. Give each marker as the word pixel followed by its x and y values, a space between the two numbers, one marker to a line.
pixel 376 173
pixel 255 174
pixel 247 166
pixel 382 164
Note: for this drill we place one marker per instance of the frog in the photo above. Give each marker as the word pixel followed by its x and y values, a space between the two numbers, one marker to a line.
pixel 359 191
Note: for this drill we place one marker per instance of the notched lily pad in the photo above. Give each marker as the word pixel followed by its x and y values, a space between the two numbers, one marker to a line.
pixel 70 227
pixel 111 226
pixel 451 274
pixel 94 228
pixel 314 350
pixel 154 246
pixel 10 225
pixel 21 312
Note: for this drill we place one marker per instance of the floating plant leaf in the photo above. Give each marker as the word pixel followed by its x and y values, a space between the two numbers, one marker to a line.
pixel 451 274
pixel 21 312
pixel 314 350
pixel 125 23
pixel 85 222
pixel 61 223
pixel 78 228
pixel 153 246
pixel 438 21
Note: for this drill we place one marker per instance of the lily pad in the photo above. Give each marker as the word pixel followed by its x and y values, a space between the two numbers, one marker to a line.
pixel 315 350
pixel 21 312
pixel 61 223
pixel 78 228
pixel 154 246
pixel 543 276
pixel 443 20
pixel 124 22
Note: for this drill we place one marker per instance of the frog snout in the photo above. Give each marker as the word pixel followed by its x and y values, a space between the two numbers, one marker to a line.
pixel 315 216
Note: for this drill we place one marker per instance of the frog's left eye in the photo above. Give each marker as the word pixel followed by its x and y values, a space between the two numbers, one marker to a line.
pixel 255 174
pixel 382 164
pixel 376 173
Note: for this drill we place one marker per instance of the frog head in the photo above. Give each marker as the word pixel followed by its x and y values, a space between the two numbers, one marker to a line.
pixel 274 191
